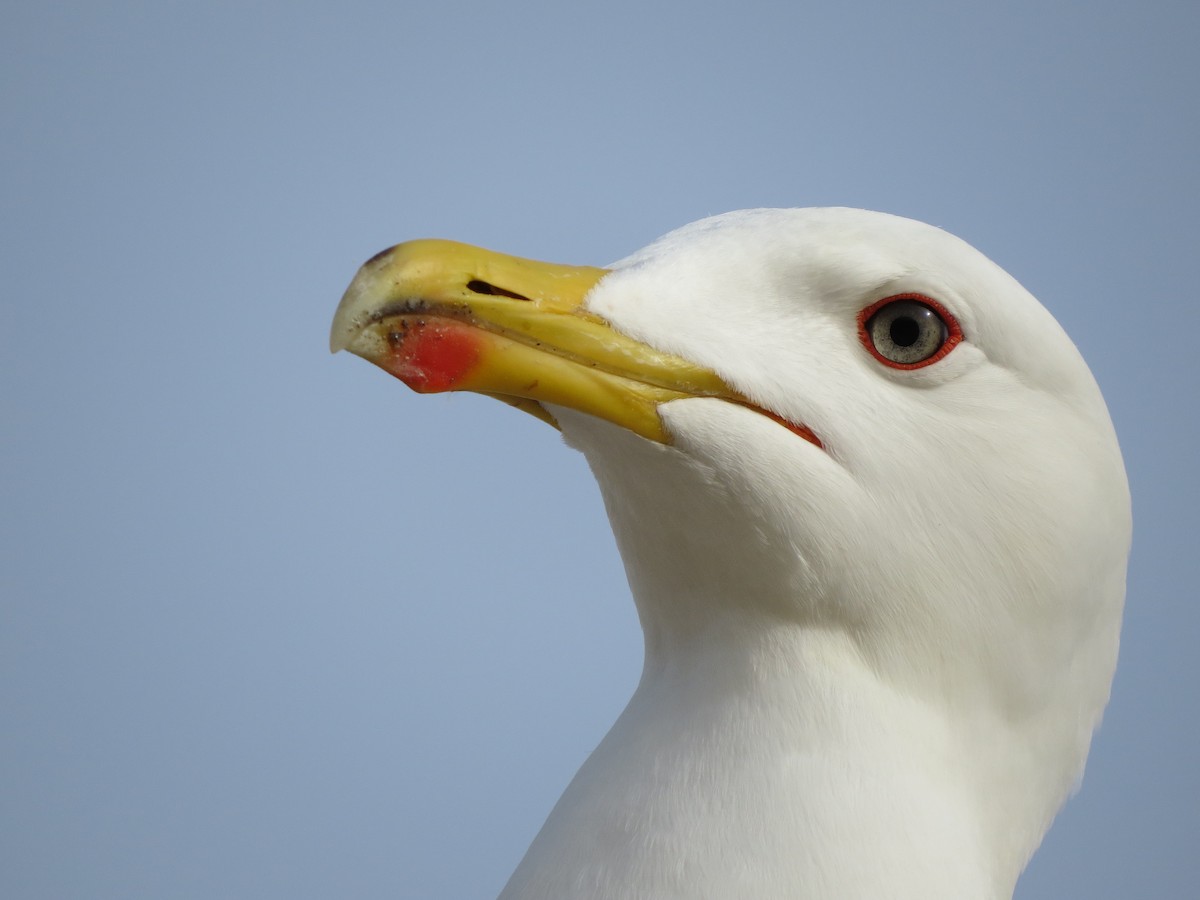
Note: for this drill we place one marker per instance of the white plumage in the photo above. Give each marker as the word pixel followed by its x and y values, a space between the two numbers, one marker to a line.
pixel 873 667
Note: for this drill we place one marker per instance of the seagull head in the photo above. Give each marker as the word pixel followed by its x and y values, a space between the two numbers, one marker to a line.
pixel 829 423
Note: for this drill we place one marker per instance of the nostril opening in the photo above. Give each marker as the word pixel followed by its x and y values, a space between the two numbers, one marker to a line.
pixel 482 287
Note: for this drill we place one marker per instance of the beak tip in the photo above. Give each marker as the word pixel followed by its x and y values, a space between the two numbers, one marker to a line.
pixel 351 314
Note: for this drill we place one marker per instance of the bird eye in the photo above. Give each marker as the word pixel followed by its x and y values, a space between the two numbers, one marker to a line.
pixel 908 331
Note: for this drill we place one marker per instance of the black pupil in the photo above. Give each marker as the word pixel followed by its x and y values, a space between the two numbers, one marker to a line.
pixel 904 331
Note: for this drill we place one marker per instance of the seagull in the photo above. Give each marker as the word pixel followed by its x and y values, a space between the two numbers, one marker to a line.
pixel 875 521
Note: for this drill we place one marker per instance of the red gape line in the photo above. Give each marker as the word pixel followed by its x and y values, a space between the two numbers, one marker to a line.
pixel 800 430
pixel 953 338
pixel 432 355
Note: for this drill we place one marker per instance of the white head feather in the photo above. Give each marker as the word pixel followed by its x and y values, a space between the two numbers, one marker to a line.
pixel 873 669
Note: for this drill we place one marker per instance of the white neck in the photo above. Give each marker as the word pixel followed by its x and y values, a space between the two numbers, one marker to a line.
pixel 734 772
pixel 763 755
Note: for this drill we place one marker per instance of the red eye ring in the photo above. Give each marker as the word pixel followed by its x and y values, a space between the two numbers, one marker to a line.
pixel 953 331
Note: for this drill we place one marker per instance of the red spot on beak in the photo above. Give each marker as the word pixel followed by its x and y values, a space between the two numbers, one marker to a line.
pixel 431 355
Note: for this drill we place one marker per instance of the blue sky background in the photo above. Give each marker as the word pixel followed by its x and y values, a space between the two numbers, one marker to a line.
pixel 271 626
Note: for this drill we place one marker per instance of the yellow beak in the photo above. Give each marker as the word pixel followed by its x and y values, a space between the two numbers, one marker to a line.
pixel 443 316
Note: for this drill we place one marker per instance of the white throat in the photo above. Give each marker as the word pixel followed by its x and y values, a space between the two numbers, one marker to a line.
pixel 764 755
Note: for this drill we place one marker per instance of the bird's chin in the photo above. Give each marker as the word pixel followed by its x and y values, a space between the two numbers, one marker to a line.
pixel 591 435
